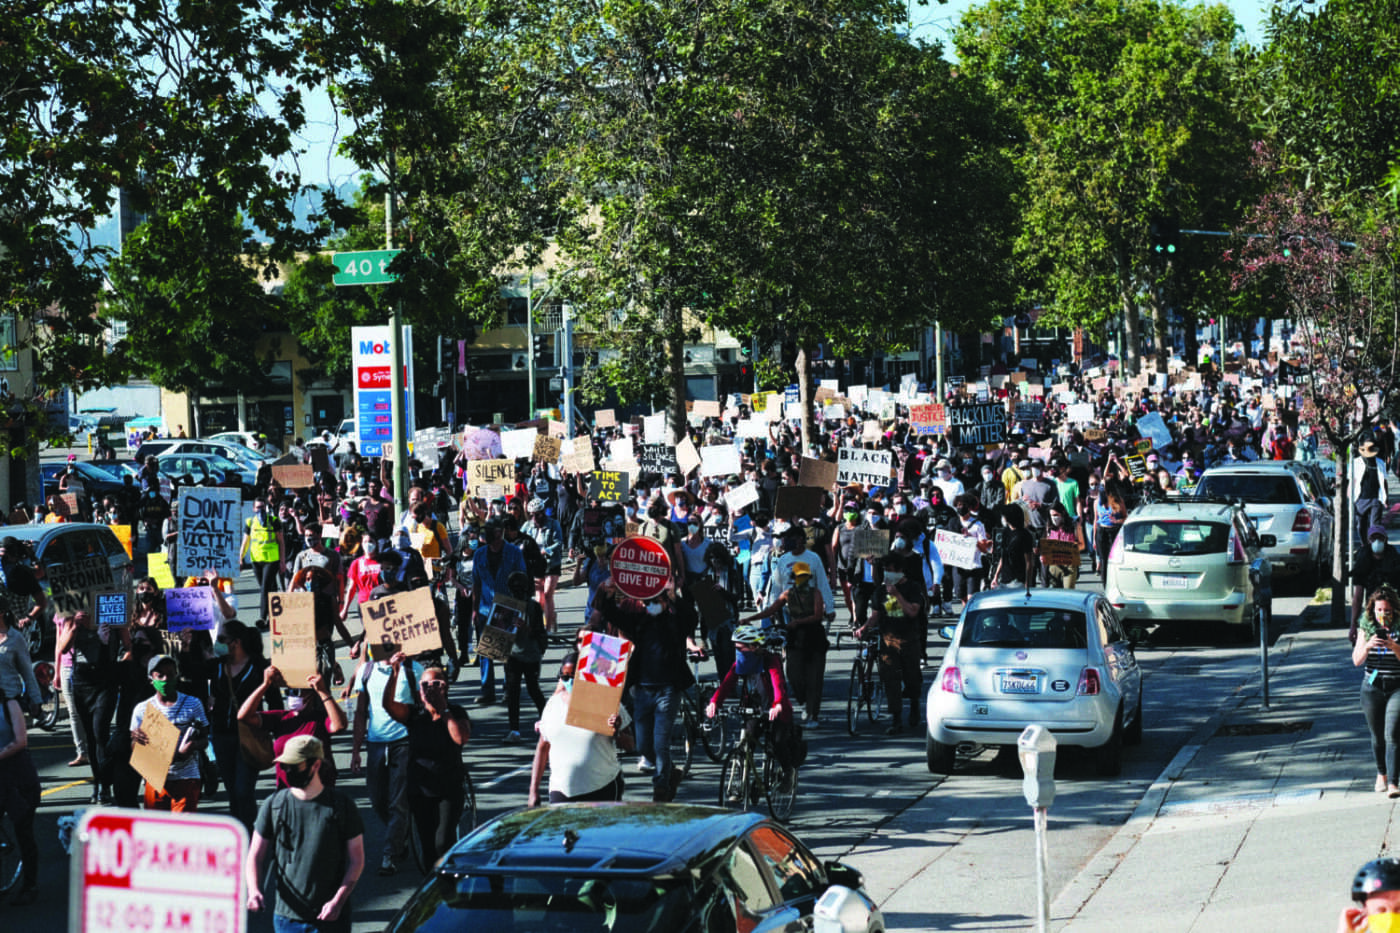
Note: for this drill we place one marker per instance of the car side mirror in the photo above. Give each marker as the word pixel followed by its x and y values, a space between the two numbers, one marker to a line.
pixel 946 632
pixel 844 875
pixel 1268 541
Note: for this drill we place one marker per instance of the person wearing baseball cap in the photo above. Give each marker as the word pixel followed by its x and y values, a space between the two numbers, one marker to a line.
pixel 185 713
pixel 316 875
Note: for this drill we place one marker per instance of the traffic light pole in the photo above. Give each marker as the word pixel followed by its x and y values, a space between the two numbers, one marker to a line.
pixel 530 341
pixel 396 386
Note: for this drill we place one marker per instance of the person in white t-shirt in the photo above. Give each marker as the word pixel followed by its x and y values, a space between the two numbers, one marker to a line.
pixel 583 764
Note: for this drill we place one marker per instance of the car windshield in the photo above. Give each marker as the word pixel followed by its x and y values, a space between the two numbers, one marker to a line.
pixel 1261 488
pixel 1024 627
pixel 1176 537
pixel 547 902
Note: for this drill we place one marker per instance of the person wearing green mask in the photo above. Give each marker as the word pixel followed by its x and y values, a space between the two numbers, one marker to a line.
pixel 185 713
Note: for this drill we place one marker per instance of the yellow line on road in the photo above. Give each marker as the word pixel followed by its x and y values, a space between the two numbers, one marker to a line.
pixel 54 790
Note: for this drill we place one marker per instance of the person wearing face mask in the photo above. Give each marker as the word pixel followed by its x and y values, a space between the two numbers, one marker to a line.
pixel 582 763
pixel 1379 654
pixel 234 675
pixel 967 581
pixel 1376 564
pixel 492 567
pixel 843 546
pixel 943 479
pixel 802 609
pixel 991 493
pixel 308 711
pixel 265 547
pixel 94 687
pixel 182 782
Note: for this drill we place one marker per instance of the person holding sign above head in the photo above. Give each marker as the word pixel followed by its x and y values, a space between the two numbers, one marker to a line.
pixel 180 793
pixel 582 763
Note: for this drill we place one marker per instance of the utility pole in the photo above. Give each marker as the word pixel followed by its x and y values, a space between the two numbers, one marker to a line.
pixel 530 341
pixel 396 357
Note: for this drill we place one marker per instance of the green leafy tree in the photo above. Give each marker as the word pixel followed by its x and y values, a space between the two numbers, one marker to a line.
pixel 1127 113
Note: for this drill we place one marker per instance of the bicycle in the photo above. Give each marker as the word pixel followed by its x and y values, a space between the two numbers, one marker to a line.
pixel 752 770
pixel 867 691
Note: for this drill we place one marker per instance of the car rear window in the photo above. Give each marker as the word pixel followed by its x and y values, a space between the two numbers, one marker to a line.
pixel 1176 537
pixel 1251 487
pixel 449 904
pixel 1024 627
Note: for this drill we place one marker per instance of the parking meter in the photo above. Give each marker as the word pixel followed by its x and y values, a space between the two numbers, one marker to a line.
pixel 1036 748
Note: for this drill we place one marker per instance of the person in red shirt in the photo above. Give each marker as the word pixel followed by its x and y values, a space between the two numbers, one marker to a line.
pixel 361 578
pixel 310 711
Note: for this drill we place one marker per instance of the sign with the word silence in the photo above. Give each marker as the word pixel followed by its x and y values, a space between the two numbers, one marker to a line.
pixel 210 531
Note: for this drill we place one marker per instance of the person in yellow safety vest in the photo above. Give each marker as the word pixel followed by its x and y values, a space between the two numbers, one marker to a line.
pixel 265 547
pixel 434 540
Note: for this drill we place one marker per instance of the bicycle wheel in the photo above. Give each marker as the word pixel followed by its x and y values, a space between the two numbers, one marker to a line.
pixel 51 697
pixel 682 738
pixel 467 821
pixel 719 734
pixel 733 779
pixel 11 863
pixel 779 787
pixel 855 695
pixel 874 693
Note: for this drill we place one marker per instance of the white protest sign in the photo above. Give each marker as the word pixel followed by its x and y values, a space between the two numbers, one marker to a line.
pixel 654 428
pixel 1080 413
pixel 210 531
pixel 621 450
pixel 719 460
pixel 870 467
pixel 957 550
pixel 746 494
pixel 519 444
pixel 748 427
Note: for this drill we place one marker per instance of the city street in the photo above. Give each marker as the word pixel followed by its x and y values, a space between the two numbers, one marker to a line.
pixel 938 852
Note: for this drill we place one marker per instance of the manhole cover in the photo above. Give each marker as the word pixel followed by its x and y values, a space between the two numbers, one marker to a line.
pixel 1264 728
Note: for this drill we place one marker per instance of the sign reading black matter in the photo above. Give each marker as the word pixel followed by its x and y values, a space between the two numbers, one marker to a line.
pixel 857 465
pixel 976 425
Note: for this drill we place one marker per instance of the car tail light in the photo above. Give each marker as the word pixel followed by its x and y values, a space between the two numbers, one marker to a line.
pixel 1235 549
pixel 952 681
pixel 1115 553
pixel 1302 521
pixel 1089 682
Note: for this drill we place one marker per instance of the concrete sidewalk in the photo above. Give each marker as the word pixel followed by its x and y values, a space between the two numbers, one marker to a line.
pixel 1260 821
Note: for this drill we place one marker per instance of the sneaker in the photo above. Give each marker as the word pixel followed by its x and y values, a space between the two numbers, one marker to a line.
pixel 486 699
pixel 387 866
pixel 812 723
pixel 645 766
pixel 512 737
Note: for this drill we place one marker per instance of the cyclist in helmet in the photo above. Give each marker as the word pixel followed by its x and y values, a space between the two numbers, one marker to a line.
pixel 1376 891
pixel 757 672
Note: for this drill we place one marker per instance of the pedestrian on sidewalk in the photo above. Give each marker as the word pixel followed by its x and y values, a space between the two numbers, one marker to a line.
pixel 1376 888
pixel 1380 687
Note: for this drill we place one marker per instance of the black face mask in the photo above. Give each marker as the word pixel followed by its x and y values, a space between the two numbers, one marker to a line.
pixel 299 777
pixel 147 597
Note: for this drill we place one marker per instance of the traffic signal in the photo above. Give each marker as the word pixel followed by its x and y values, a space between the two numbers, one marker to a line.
pixel 447 355
pixel 539 349
pixel 1164 234
pixel 745 351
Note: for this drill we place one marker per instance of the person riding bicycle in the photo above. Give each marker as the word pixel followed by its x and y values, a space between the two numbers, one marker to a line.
pixel 1376 891
pixel 757 678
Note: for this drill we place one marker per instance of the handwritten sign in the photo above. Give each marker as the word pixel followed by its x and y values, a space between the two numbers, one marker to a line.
pixel 706 409
pixel 291 619
pixel 657 458
pixel 112 608
pixel 1059 553
pixel 871 467
pixel 576 455
pixel 294 476
pixel 152 760
pixel 210 531
pixel 519 444
pixel 957 550
pixel 928 419
pixel 608 485
pixel 489 473
pixel 815 472
pixel 547 448
pixel 159 569
pixel 192 607
pixel 983 423
pixel 404 622
pixel 871 543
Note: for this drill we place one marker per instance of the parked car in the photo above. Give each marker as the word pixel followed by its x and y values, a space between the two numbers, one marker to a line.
pixel 72 560
pixel 222 470
pixel 97 480
pixel 1187 560
pixel 236 452
pixel 1281 501
pixel 635 867
pixel 246 439
pixel 1060 658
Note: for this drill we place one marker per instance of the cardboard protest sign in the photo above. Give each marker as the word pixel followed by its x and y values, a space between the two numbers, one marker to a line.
pixel 871 543
pixel 192 607
pixel 741 496
pixel 505 623
pixel 291 619
pixel 159 569
pixel 576 455
pixel 123 533
pixel 975 425
pixel 870 467
pixel 687 457
pixel 152 760
pixel 798 502
pixel 66 505
pixel 605 418
pixel 928 419
pixel 706 409
pixel 547 449
pixel 608 485
pixel 815 472
pixel 489 473
pixel 719 460
pixel 598 681
pixel 112 608
pixel 957 550
pixel 1095 435
pixel 1059 553
pixel 824 394
pixel 210 531
pixel 519 444
pixel 294 476
pixel 320 458
pixel 404 622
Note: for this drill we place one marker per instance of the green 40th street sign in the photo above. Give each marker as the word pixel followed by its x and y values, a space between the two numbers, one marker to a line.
pixel 364 268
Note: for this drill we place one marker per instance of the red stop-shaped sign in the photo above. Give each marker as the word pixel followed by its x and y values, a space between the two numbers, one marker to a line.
pixel 640 567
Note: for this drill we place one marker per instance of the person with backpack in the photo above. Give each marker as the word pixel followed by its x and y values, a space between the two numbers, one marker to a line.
pixel 549 538
pixel 803 608
pixel 756 680
pixel 317 839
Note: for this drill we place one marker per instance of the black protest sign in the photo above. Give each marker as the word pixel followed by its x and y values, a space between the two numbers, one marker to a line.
pixel 112 608
pixel 657 458
pixel 977 425
pixel 798 502
pixel 608 485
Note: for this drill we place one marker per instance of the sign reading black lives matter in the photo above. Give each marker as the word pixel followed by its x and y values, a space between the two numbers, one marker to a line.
pixel 210 531
pixel 976 425
pixel 404 622
pixel 870 467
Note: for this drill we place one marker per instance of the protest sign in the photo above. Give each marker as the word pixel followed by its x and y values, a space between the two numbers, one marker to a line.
pixel 291 619
pixel 72 582
pixel 751 427
pixel 1059 553
pixel 640 567
pixel 489 473
pixel 1031 413
pixel 112 608
pixel 870 467
pixel 928 419
pixel 192 607
pixel 719 460
pixel 404 622
pixel 505 623
pixel 1137 467
pixel 547 449
pixel 576 455
pixel 798 502
pixel 1079 413
pixel 599 679
pixel 687 457
pixel 152 758
pixel 608 485
pixel 871 543
pixel 657 458
pixel 123 533
pixel 1095 435
pixel 957 550
pixel 705 408
pixel 742 496
pixel 979 424
pixel 210 531
pixel 159 569
pixel 654 428
pixel 66 505
pixel 1152 427
pixel 294 476
pixel 519 444
pixel 818 473
pixel 605 418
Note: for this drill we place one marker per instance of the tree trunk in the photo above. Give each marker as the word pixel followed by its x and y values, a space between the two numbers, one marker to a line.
pixel 1341 540
pixel 1161 329
pixel 804 398
pixel 1129 364
pixel 1192 354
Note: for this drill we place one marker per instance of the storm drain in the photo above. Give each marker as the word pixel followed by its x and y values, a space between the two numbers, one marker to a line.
pixel 1264 728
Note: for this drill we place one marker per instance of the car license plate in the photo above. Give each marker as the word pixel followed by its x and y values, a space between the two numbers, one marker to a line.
pixel 1019 683
pixel 1172 581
